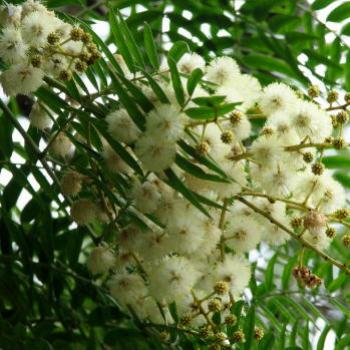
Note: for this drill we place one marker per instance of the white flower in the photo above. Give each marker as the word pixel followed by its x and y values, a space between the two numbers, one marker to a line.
pixel 113 161
pixel 189 62
pixel 277 97
pixel 266 151
pixel 61 145
pixel 30 6
pixel 278 180
pixel 272 233
pixel 243 89
pixel 185 231
pixel 323 191
pixel 211 236
pixel 309 120
pixel 71 183
pixel 146 197
pixel 166 120
pixel 12 47
pixel 233 270
pixel 242 234
pixel 153 245
pixel 21 79
pixel 122 127
pixel 83 211
pixel 10 15
pixel 55 64
pixel 128 289
pixel 39 117
pixel 222 70
pixel 155 153
pixel 36 27
pixel 172 278
pixel 100 260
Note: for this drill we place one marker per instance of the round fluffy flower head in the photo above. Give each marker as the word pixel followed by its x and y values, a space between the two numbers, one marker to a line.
pixel 277 97
pixel 222 70
pixel 266 150
pixel 171 278
pixel 30 6
pixel 83 211
pixel 243 89
pixel 189 62
pixel 61 145
pixel 122 127
pixel 166 120
pixel 146 197
pixel 113 161
pixel 12 47
pixel 309 120
pixel 71 183
pixel 10 15
pixel 315 222
pixel 39 117
pixel 36 27
pixel 242 234
pixel 127 289
pixel 100 260
pixel 21 79
pixel 155 153
pixel 233 270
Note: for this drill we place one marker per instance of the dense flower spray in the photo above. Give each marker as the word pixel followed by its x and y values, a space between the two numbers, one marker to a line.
pixel 175 262
pixel 35 43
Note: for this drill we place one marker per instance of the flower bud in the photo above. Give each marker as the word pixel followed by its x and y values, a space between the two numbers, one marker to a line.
pixel 215 305
pixel 339 143
pixel 203 148
pixel 227 136
pixel 332 96
pixel 221 287
pixel 346 240
pixel 238 337
pixel 342 117
pixel 330 232
pixel 258 333
pixel 317 168
pixel 231 320
pixel 313 91
pixel 308 157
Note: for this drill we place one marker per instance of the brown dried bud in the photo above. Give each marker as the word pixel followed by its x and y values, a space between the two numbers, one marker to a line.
pixel 314 221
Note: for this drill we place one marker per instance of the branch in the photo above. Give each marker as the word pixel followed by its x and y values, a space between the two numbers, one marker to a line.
pixel 302 241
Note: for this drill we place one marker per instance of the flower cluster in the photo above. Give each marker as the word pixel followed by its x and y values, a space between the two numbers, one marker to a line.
pixel 267 185
pixel 182 257
pixel 34 43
